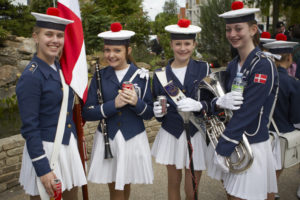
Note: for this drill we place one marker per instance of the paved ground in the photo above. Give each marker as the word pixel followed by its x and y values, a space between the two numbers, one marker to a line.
pixel 209 189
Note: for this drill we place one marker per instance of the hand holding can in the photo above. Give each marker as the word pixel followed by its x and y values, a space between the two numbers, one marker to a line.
pixel 58 191
pixel 163 103
pixel 127 85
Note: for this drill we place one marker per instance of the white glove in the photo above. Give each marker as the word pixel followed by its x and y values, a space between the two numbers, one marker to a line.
pixel 157 109
pixel 231 100
pixel 220 162
pixel 189 105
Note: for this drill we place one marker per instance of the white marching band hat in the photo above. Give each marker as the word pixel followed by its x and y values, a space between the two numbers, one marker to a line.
pixel 116 36
pixel 280 46
pixel 239 14
pixel 183 30
pixel 51 20
pixel 265 37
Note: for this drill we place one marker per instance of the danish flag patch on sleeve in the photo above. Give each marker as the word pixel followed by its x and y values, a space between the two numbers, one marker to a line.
pixel 260 78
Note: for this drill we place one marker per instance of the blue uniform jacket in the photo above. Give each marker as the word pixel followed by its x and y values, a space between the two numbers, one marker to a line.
pixel 172 121
pixel 259 95
pixel 287 110
pixel 39 93
pixel 128 119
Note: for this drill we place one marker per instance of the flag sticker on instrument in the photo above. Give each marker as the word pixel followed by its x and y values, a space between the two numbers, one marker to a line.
pixel 260 78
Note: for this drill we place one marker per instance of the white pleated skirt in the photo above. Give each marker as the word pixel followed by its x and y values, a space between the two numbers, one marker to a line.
pixel 254 183
pixel 168 150
pixel 69 168
pixel 131 162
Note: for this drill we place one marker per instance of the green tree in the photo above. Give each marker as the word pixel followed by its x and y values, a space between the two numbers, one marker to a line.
pixel 140 24
pixel 213 44
pixel 41 6
pixel 289 9
pixel 94 21
pixel 171 7
pixel 119 9
pixel 167 17
pixel 16 19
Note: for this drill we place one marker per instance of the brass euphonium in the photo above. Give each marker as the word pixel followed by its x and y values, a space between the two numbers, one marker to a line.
pixel 241 159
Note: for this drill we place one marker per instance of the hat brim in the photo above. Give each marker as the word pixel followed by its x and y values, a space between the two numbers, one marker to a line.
pixel 120 35
pixel 266 40
pixel 280 44
pixel 51 18
pixel 191 29
pixel 239 13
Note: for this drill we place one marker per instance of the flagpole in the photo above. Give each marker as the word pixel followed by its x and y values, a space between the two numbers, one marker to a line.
pixel 54 3
pixel 81 141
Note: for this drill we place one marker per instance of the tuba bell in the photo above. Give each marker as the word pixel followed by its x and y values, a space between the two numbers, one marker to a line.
pixel 242 157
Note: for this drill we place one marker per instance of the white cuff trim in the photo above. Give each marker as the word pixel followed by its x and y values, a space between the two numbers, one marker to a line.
pixel 102 112
pixel 38 158
pixel 228 139
pixel 143 110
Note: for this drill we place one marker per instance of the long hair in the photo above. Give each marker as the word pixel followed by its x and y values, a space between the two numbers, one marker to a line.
pixel 129 57
pixel 256 37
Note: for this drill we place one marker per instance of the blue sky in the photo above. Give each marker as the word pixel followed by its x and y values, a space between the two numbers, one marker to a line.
pixel 153 7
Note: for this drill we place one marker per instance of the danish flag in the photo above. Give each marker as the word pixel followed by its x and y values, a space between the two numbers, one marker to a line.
pixel 73 59
pixel 260 78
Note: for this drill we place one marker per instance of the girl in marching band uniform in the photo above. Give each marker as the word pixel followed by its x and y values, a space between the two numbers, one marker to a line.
pixel 40 93
pixel 287 109
pixel 251 112
pixel 170 146
pixel 124 111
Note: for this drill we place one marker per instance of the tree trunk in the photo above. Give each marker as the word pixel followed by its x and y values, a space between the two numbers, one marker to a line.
pixel 276 5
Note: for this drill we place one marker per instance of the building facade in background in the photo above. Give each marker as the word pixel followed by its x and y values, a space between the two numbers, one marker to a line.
pixel 193 10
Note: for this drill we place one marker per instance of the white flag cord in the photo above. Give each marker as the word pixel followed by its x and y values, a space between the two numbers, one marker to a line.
pixel 58 136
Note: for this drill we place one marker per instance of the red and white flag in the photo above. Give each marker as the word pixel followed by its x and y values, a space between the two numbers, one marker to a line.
pixel 260 78
pixel 73 60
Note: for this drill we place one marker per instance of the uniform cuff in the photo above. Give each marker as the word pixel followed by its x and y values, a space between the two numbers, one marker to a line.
pixel 224 147
pixel 41 166
pixel 109 108
pixel 140 107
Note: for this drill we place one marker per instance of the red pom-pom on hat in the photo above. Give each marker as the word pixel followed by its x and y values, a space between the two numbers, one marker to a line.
pixel 265 35
pixel 53 11
pixel 184 23
pixel 281 36
pixel 115 27
pixel 237 5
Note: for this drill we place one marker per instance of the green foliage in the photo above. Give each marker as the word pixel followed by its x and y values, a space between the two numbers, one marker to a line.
pixel 10 121
pixel 94 21
pixel 119 9
pixel 97 15
pixel 141 53
pixel 139 23
pixel 213 40
pixel 157 62
pixel 3 35
pixel 171 7
pixel 287 8
pixel 162 20
pixel 8 106
pixel 41 6
pixel 17 19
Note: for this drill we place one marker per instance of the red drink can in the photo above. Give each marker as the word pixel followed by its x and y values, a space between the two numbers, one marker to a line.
pixel 163 103
pixel 58 191
pixel 127 85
